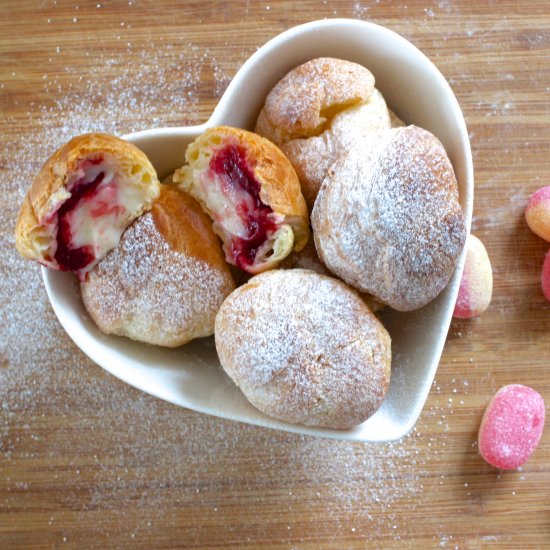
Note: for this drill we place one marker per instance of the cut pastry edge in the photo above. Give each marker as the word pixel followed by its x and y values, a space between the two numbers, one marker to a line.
pixel 278 242
pixel 82 201
pixel 222 175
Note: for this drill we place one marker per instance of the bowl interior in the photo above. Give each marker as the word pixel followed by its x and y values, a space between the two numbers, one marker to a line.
pixel 191 376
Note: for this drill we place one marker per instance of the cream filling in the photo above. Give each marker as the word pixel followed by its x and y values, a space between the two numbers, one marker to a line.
pixel 223 204
pixel 99 222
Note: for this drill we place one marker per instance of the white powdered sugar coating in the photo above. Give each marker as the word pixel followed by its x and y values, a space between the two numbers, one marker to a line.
pixel 316 111
pixel 307 258
pixel 146 290
pixel 387 219
pixel 304 348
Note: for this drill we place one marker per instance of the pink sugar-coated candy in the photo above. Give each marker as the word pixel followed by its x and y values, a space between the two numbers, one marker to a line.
pixel 476 285
pixel 537 213
pixel 511 426
pixel 545 277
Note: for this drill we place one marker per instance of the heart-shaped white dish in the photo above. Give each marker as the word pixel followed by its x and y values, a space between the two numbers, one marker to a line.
pixel 191 376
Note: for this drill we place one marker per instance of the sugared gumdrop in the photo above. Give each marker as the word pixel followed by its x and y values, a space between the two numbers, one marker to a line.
pixel 476 285
pixel 537 213
pixel 511 426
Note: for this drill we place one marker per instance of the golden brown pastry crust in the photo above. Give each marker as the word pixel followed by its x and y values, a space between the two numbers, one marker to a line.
pixel 307 258
pixel 185 227
pixel 304 348
pixel 313 156
pixel 317 111
pixel 26 230
pixel 48 190
pixel 388 220
pixel 302 103
pixel 280 188
pixel 167 278
pixel 237 274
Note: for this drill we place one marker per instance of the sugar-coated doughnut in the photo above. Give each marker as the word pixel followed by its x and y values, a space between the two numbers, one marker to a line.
pixel 387 219
pixel 252 193
pixel 511 426
pixel 476 285
pixel 304 348
pixel 316 111
pixel 165 281
pixel 81 201
pixel 537 212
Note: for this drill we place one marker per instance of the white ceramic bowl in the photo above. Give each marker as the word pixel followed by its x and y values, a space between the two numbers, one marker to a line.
pixel 192 376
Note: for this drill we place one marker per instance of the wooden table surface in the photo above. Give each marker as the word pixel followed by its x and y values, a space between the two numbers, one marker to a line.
pixel 89 462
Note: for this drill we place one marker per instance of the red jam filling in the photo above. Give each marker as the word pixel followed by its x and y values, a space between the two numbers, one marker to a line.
pixel 69 258
pixel 236 174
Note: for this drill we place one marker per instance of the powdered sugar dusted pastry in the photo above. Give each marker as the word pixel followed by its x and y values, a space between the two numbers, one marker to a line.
pixel 165 281
pixel 250 190
pixel 81 201
pixel 313 156
pixel 304 348
pixel 316 111
pixel 387 219
pixel 304 101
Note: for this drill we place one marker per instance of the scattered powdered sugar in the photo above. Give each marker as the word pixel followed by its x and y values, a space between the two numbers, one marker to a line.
pixel 149 291
pixel 304 348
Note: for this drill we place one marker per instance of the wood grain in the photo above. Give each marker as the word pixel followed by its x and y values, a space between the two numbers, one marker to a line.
pixel 88 462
